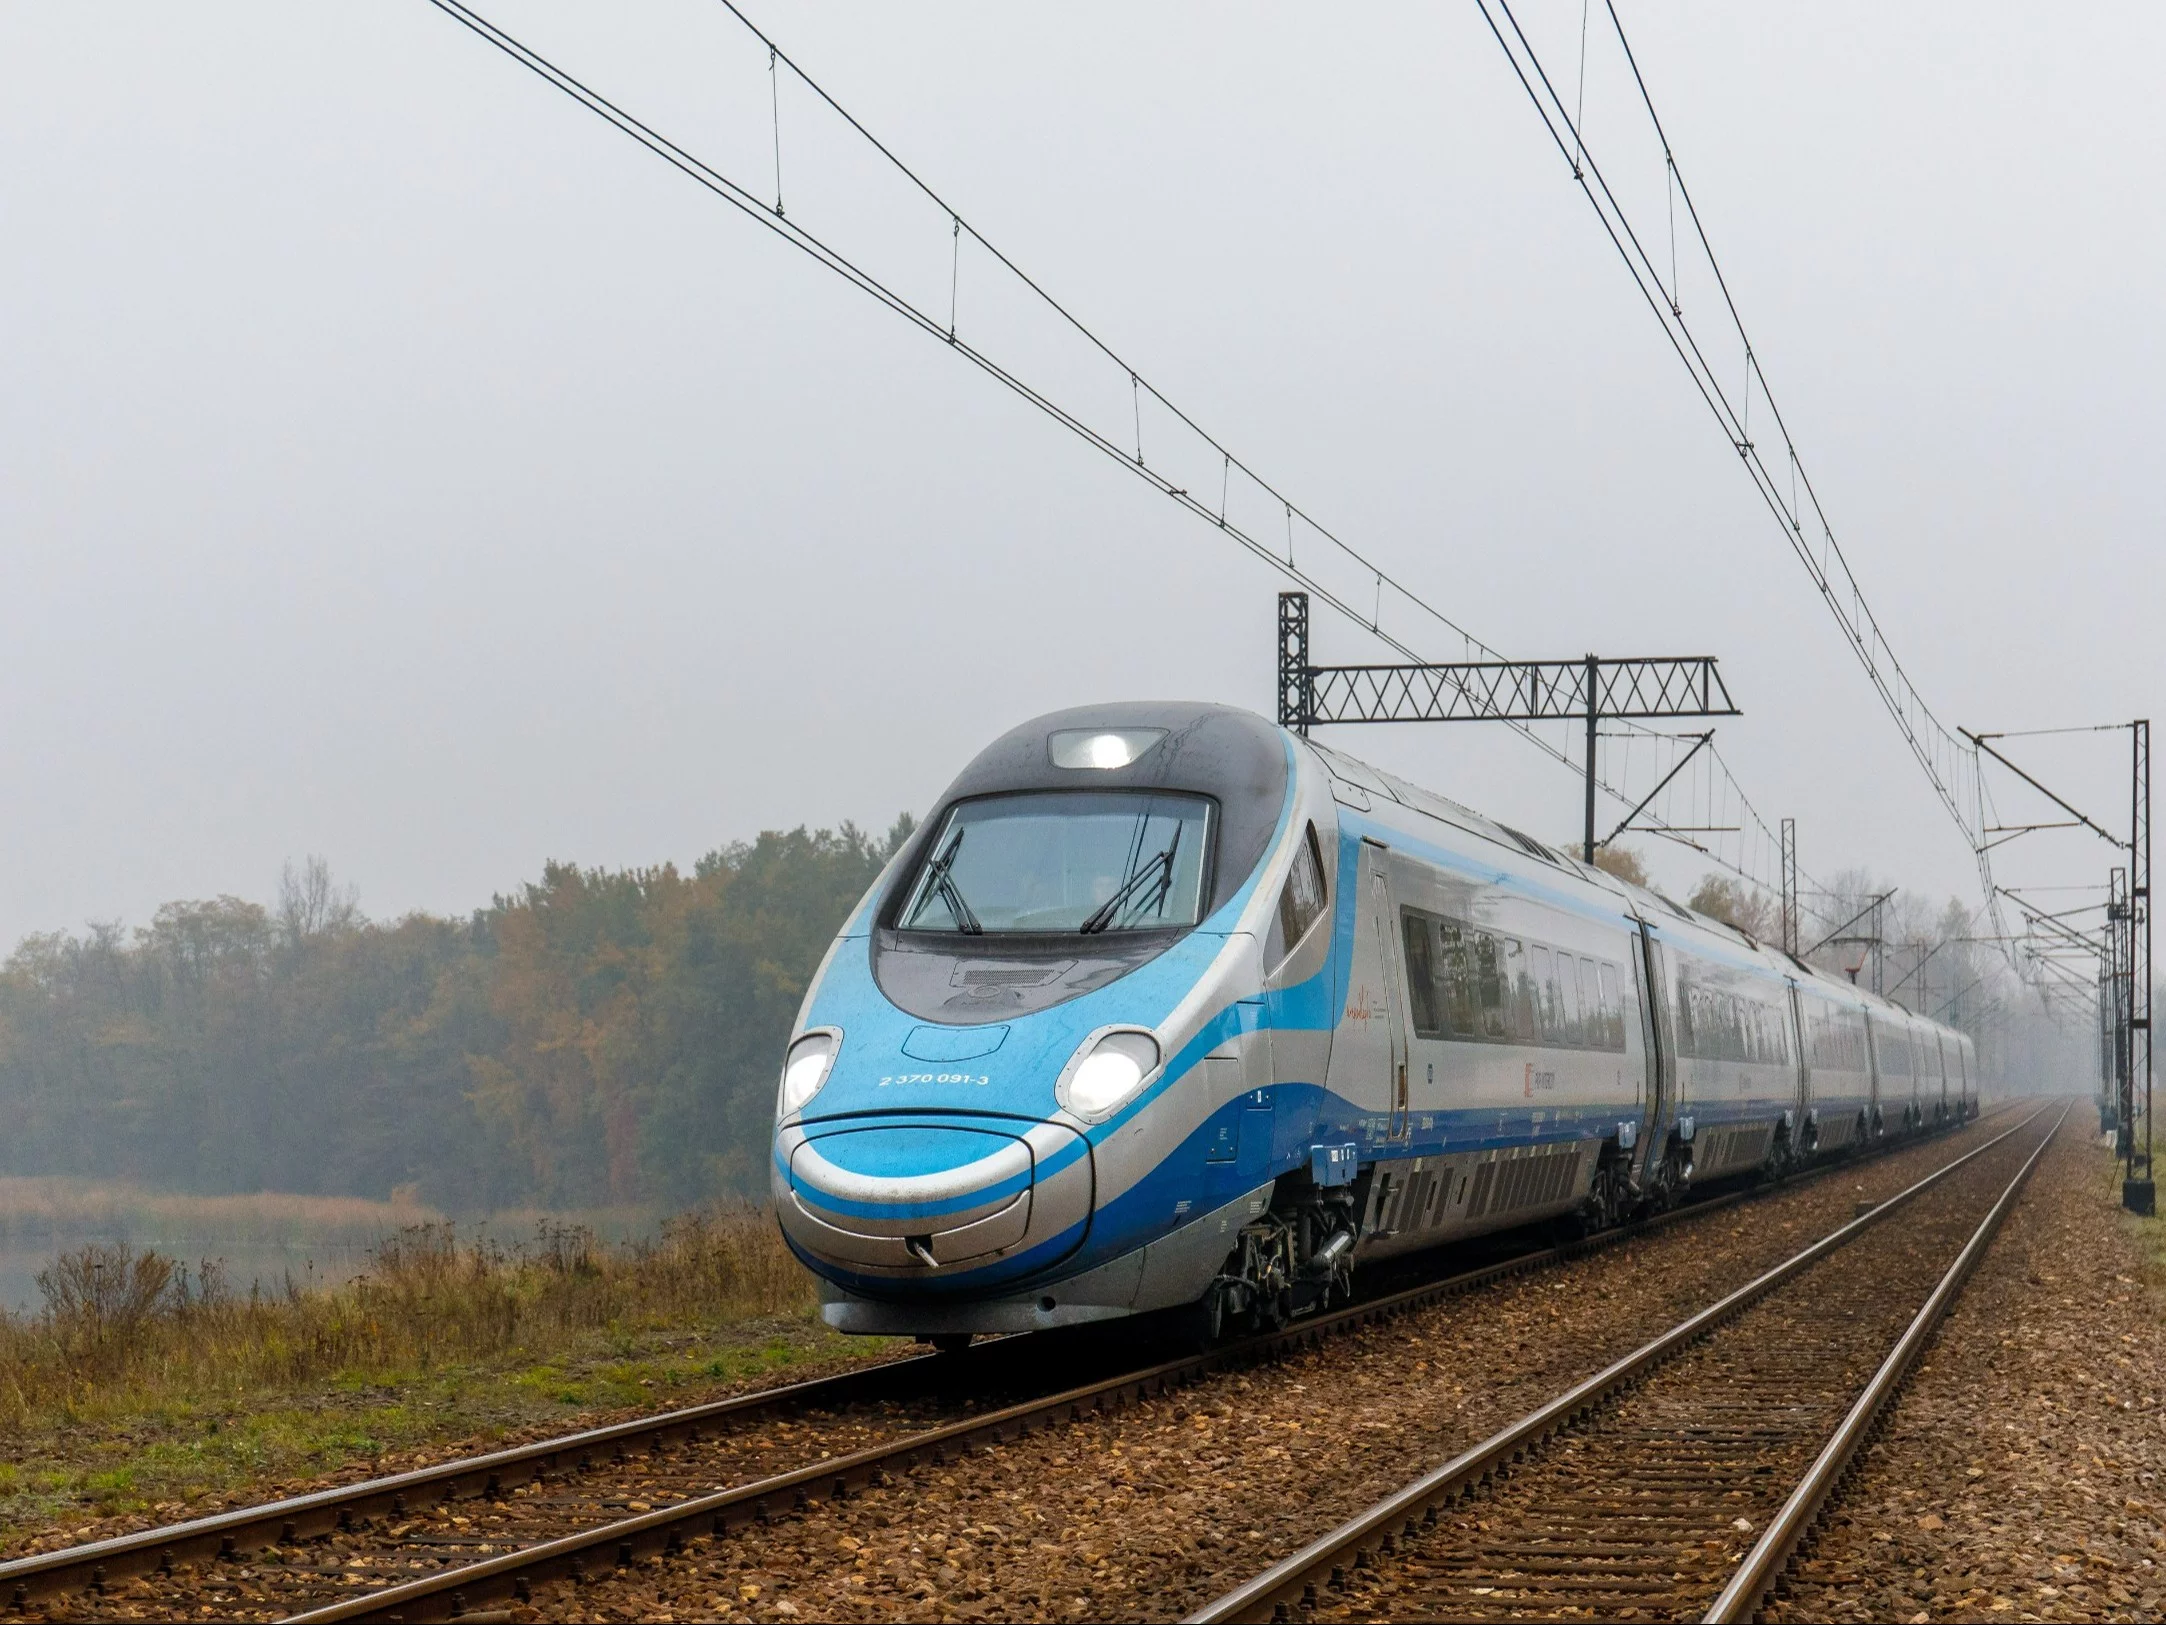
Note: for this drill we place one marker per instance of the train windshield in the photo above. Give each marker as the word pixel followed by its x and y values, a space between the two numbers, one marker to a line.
pixel 1084 862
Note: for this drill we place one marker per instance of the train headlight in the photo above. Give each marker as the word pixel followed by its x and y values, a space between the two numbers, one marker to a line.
pixel 806 1067
pixel 1107 1071
pixel 1101 748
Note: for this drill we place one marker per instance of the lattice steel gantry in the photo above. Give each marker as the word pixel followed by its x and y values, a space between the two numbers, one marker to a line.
pixel 1592 687
pixel 2124 950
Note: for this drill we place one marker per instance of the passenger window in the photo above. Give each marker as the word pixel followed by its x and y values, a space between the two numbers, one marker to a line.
pixel 1457 963
pixel 1520 986
pixel 1489 984
pixel 1301 904
pixel 1420 973
pixel 1568 1024
pixel 1612 1005
pixel 1545 994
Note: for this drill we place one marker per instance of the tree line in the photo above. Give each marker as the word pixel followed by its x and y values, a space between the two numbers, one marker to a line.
pixel 598 1037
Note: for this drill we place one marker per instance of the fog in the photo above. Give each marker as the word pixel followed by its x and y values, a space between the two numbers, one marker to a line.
pixel 398 464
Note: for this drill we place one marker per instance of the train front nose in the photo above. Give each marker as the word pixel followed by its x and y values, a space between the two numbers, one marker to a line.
pixel 933 1196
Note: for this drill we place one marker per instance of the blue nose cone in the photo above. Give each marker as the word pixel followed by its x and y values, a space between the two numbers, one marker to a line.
pixel 888 1194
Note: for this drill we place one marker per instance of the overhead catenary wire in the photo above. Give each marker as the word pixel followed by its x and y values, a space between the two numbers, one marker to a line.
pixel 1950 765
pixel 1139 384
pixel 794 231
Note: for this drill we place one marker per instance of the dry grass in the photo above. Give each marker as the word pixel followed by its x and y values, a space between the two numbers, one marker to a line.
pixel 125 1332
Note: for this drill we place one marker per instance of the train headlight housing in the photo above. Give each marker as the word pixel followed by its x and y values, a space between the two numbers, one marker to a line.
pixel 806 1067
pixel 1108 1070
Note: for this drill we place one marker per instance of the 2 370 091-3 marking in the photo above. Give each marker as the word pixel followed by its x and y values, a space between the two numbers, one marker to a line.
pixel 980 1079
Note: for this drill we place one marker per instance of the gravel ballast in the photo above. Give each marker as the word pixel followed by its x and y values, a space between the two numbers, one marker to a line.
pixel 1152 1511
pixel 2022 1475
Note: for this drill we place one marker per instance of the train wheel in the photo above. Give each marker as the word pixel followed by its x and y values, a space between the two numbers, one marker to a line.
pixel 1203 1322
pixel 1608 1200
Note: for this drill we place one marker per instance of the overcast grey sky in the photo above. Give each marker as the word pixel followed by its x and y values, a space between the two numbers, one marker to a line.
pixel 400 465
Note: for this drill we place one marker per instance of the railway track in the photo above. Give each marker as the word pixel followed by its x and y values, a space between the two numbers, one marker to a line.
pixel 444 1540
pixel 1679 1481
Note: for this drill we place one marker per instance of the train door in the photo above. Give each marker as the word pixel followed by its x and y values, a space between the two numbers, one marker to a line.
pixel 1387 928
pixel 1804 1071
pixel 1657 1043
pixel 1872 1071
pixel 1369 1052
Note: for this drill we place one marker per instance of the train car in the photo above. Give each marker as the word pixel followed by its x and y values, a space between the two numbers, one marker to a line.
pixel 1165 1007
pixel 1844 1110
pixel 1895 1065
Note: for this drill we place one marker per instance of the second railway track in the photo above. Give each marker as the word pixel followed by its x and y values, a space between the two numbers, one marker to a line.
pixel 1678 1482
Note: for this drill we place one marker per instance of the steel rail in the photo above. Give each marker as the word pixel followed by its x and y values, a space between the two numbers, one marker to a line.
pixel 230 1535
pixel 1402 1513
pixel 454 1592
pixel 227 1534
pixel 1763 1567
pixel 451 1593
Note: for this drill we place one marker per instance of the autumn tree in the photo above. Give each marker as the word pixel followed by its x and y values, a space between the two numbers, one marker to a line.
pixel 1622 862
pixel 1733 903
pixel 599 1036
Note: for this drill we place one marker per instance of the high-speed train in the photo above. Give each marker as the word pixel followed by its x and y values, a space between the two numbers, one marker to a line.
pixel 1167 1006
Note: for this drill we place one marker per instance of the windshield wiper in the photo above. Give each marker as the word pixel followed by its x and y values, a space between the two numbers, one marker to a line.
pixel 939 880
pixel 1159 867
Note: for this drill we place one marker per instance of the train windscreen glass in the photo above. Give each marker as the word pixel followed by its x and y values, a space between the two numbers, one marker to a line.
pixel 1084 862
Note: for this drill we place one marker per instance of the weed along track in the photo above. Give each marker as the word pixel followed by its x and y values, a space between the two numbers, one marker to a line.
pixel 1679 1482
pixel 785 1470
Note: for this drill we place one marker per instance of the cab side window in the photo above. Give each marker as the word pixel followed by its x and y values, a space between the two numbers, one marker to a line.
pixel 1301 903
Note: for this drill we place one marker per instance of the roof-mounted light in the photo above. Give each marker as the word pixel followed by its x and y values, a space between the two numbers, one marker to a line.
pixel 1101 748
